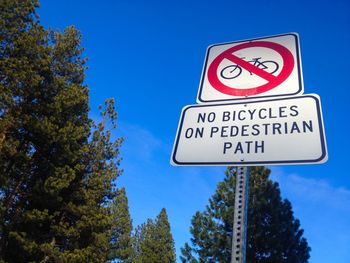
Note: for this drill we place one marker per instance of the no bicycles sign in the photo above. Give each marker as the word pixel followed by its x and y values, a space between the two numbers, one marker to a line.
pixel 264 67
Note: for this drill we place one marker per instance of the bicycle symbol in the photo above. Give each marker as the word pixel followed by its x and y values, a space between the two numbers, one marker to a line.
pixel 233 71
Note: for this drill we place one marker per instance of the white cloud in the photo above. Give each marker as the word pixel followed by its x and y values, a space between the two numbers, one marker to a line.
pixel 140 143
pixel 314 191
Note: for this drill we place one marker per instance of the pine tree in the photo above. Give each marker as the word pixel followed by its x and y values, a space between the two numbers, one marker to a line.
pixel 273 234
pixel 121 243
pixel 166 245
pixel 145 243
pixel 57 167
pixel 154 242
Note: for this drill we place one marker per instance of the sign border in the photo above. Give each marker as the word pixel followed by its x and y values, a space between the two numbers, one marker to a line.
pixel 297 64
pixel 323 158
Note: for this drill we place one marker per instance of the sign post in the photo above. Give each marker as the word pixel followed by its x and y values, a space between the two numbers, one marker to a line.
pixel 239 230
pixel 280 127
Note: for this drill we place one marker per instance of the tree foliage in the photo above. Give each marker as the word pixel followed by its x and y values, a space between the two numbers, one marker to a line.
pixel 273 234
pixel 57 167
pixel 121 242
pixel 154 242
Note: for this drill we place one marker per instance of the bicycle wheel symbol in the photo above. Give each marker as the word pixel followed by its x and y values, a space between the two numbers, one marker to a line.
pixel 233 71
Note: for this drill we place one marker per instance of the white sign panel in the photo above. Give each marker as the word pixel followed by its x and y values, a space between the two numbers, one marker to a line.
pixel 264 132
pixel 264 67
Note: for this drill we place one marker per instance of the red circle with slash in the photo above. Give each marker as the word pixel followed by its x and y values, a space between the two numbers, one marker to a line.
pixel 272 80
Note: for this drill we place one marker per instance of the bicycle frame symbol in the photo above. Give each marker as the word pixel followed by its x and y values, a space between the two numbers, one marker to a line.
pixel 233 71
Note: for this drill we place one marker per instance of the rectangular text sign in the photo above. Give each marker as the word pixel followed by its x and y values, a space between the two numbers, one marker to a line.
pixel 265 132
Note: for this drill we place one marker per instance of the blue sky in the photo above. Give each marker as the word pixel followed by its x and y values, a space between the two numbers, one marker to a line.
pixel 148 55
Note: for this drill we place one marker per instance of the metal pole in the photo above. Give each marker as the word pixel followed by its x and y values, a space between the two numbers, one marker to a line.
pixel 239 234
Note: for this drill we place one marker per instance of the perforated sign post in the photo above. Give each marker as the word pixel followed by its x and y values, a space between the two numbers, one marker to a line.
pixel 264 67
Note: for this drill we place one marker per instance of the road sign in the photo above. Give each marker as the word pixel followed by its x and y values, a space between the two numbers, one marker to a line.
pixel 264 67
pixel 263 132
